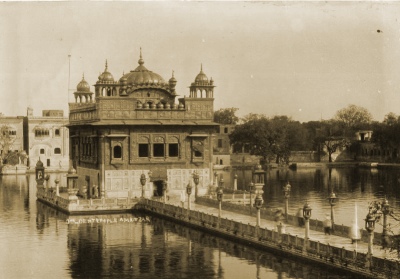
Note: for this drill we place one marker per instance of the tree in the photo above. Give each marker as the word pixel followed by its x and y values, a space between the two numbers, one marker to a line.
pixel 386 135
pixel 353 117
pixel 270 138
pixel 330 135
pixel 226 116
pixel 6 142
pixel 391 119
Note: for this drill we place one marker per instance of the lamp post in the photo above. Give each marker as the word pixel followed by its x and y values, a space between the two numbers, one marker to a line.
pixel 385 212
pixel 370 226
pixel 251 190
pixel 332 201
pixel 72 177
pixel 143 182
pixel 39 169
pixel 196 179
pixel 47 178
pixel 307 215
pixel 286 190
pixel 188 192
pixel 56 181
pixel 165 186
pixel 258 202
pixel 220 194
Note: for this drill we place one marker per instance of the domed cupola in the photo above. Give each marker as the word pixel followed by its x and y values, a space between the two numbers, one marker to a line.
pixel 141 76
pixel 202 87
pixel 201 78
pixel 106 76
pixel 83 94
pixel 123 81
pixel 83 86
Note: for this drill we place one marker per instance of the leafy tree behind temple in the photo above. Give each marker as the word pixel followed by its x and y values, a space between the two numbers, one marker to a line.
pixel 271 138
pixel 353 118
pixel 226 116
pixel 387 134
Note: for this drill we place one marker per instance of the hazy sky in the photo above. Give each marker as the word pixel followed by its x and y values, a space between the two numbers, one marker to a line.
pixel 302 59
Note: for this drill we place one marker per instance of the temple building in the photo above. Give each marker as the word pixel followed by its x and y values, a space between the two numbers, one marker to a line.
pixel 137 125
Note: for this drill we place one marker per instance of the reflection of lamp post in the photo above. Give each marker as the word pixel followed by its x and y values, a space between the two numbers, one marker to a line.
pixel 385 211
pixel 307 215
pixel 332 201
pixel 188 191
pixel 220 194
pixel 143 182
pixel 196 179
pixel 370 226
pixel 286 190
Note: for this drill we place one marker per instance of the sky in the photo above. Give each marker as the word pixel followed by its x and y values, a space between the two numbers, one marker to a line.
pixel 305 60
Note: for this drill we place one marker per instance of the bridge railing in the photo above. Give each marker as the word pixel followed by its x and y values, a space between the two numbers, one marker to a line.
pixel 292 243
pixel 269 214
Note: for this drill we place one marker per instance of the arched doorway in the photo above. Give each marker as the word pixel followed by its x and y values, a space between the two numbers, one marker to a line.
pixel 158 188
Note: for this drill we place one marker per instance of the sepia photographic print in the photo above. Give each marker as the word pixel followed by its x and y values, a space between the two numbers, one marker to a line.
pixel 200 139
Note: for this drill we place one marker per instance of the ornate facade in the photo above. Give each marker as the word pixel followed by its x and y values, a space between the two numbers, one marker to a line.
pixel 136 125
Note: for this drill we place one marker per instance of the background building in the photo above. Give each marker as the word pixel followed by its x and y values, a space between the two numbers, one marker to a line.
pixel 222 146
pixel 48 139
pixel 12 136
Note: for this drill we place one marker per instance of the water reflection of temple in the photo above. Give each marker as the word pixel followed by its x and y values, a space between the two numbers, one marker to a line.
pixel 137 249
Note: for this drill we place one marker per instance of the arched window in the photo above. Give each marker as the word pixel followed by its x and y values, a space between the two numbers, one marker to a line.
pixel 117 152
pixel 57 150
pixel 41 150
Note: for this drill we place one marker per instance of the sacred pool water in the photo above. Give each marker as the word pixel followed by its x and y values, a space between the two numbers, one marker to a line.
pixel 38 242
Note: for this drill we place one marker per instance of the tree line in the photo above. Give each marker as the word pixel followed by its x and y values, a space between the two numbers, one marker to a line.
pixel 273 138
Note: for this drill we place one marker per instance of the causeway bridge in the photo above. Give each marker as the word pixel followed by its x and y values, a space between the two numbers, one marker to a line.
pixel 234 223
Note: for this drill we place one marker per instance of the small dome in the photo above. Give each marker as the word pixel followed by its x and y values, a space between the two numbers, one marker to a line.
pixel 201 77
pixel 106 76
pixel 172 79
pixel 83 86
pixel 123 79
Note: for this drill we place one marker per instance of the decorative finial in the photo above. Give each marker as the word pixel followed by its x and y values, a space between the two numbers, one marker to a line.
pixel 106 65
pixel 141 61
pixel 172 73
pixel 83 76
pixel 201 67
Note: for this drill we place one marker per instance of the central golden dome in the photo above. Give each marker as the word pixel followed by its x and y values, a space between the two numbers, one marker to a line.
pixel 141 75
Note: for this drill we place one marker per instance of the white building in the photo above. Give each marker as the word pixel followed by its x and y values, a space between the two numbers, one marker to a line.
pixel 48 139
